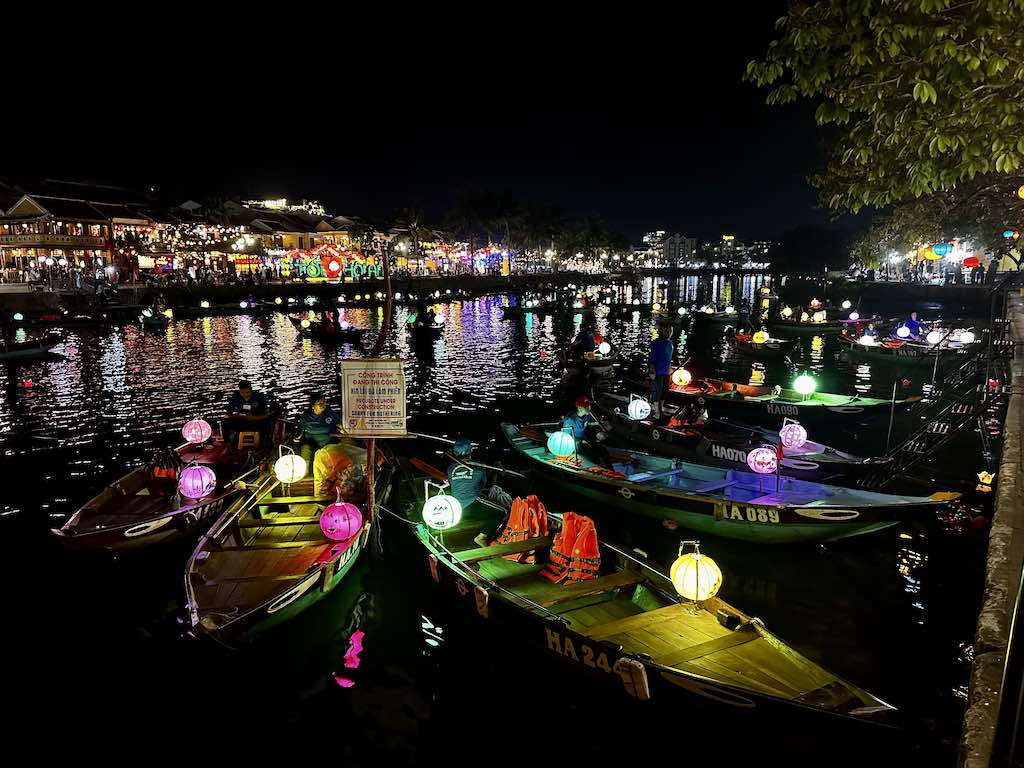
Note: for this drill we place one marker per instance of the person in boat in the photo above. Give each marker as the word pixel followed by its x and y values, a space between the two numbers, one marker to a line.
pixel 587 431
pixel 659 362
pixel 743 321
pixel 327 324
pixel 584 341
pixel 914 326
pixel 317 425
pixel 244 406
pixel 467 483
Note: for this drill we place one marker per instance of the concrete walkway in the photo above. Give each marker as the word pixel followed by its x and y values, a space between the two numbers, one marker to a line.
pixel 1003 574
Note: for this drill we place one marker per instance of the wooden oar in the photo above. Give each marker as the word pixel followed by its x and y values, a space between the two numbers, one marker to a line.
pixel 457 460
pixel 427 469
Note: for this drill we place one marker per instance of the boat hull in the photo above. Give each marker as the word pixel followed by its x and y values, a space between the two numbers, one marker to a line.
pixel 904 355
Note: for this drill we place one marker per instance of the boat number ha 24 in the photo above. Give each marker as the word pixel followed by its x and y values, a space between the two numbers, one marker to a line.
pixel 583 654
pixel 745 512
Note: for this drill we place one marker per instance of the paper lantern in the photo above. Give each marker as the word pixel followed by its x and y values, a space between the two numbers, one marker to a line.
pixel 971 262
pixel 729 310
pixel 290 468
pixel 577 305
pixel 709 310
pixel 695 576
pixel 243 304
pixel 305 323
pixel 967 337
pixel 847 304
pixel 333 266
pixel 147 313
pixel 855 316
pixel 760 337
pixel 763 460
pixel 561 444
pixel 805 384
pixel 681 311
pixel 804 317
pixel 867 341
pixel 636 302
pixel 277 300
pixel 934 337
pixel 604 348
pixel 817 343
pixel 197 481
pixel 292 299
pixel 815 303
pixel 787 312
pixel 197 431
pixel 1020 192
pixel 344 325
pixel 681 377
pixel 942 249
pixel 931 255
pixel 442 512
pixel 819 316
pixel 204 304
pixel 793 435
pixel 638 409
pixel 656 306
pixel 169 314
pixel 1008 233
pixel 18 317
pixel 398 296
pixel 310 301
pixel 341 521
pixel 903 332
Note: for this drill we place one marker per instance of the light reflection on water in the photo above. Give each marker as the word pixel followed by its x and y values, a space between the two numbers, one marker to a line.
pixel 117 394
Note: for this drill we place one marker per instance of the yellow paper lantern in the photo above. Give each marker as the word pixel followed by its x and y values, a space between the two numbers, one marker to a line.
pixel 787 312
pixel 681 377
pixel 305 323
pixel 760 337
pixel 696 576
pixel 1020 192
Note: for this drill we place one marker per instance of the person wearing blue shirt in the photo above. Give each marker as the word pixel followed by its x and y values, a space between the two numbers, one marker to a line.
pixel 316 426
pixel 579 422
pixel 659 363
pixel 244 407
pixel 584 341
pixel 467 481
pixel 914 326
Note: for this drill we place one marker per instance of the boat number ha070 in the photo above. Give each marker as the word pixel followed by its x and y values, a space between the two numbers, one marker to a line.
pixel 744 512
pixel 584 654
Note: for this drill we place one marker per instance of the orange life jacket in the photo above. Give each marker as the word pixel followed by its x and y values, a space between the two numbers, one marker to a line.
pixel 527 520
pixel 574 554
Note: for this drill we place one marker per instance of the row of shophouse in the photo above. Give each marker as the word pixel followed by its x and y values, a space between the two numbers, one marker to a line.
pixel 126 236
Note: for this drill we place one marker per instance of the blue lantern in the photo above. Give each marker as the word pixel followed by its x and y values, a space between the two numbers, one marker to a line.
pixel 942 249
pixel 561 444
pixel 1007 233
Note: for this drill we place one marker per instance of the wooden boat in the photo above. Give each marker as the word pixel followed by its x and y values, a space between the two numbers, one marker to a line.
pixel 153 322
pixel 343 334
pixel 232 308
pixel 591 361
pixel 716 318
pixel 629 628
pixel 721 502
pixel 618 307
pixel 768 405
pixel 61 320
pixel 899 352
pixel 141 508
pixel 726 444
pixel 423 333
pixel 30 348
pixel 265 559
pixel 790 327
pixel 547 308
pixel 772 349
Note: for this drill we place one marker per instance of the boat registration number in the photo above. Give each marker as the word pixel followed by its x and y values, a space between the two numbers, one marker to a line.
pixel 783 410
pixel 582 653
pixel 745 512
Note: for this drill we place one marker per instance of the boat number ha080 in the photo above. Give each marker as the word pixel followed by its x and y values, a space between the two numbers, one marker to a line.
pixel 584 654
pixel 745 512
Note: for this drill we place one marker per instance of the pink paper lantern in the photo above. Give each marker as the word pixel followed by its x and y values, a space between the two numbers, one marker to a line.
pixel 793 435
pixel 763 460
pixel 197 481
pixel 341 521
pixel 197 431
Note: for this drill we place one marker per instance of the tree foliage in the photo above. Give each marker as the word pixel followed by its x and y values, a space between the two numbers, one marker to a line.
pixel 918 96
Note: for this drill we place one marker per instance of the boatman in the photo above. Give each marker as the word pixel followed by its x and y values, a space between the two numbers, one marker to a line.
pixel 914 326
pixel 244 406
pixel 581 422
pixel 316 426
pixel 584 341
pixel 659 362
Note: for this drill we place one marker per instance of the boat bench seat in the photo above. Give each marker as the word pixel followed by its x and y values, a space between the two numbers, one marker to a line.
pixel 500 550
pixel 277 520
pixel 718 485
pixel 563 593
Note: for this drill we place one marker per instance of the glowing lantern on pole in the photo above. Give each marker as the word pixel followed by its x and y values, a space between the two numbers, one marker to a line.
pixel 805 384
pixel 695 576
pixel 847 304
pixel 934 337
pixel 341 521
pixel 18 317
pixel 197 481
pixel 442 512
pixel 681 377
pixel 763 460
pixel 197 431
pixel 942 249
pixel 561 444
pixel 903 332
pixel 793 434
pixel 290 468
pixel 638 409
pixel 604 348
pixel 760 337
pixel 855 316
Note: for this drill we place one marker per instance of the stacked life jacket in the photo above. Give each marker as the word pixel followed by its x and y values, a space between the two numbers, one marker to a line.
pixel 574 555
pixel 527 520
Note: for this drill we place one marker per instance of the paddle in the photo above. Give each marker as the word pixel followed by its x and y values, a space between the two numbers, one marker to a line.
pixel 457 460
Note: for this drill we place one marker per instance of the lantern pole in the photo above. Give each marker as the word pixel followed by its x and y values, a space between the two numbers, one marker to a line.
pixel 385 326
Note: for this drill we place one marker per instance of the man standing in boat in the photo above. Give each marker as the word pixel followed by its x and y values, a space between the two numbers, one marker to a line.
pixel 244 406
pixel 659 363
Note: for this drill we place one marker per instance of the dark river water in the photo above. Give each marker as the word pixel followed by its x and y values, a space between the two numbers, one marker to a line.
pixel 100 647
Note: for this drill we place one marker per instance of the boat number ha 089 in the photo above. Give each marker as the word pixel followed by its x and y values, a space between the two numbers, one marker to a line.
pixel 744 512
pixel 584 654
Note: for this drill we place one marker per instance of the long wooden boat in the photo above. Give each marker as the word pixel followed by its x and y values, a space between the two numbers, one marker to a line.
pixel 899 352
pixel 768 405
pixel 771 349
pixel 229 308
pixel 30 348
pixel 424 333
pixel 726 444
pixel 547 308
pixel 629 628
pixel 153 323
pixel 789 327
pixel 716 318
pixel 617 307
pixel 594 362
pixel 722 502
pixel 265 559
pixel 142 508
pixel 343 334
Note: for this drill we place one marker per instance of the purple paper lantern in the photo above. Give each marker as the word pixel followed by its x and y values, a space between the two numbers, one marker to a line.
pixel 197 431
pixel 341 521
pixel 763 460
pixel 793 435
pixel 197 481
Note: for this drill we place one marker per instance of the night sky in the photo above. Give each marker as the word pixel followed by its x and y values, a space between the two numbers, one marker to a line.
pixel 647 125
